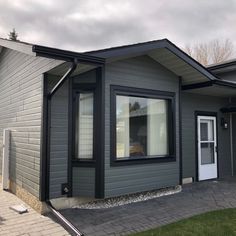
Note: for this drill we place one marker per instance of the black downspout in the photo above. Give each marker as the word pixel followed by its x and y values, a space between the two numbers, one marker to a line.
pixel 45 159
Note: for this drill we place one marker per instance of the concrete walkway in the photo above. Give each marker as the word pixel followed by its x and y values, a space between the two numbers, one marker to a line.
pixel 194 199
pixel 31 223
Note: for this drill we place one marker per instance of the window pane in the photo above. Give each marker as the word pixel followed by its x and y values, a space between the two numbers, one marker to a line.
pixel 122 127
pixel 138 126
pixel 157 127
pixel 141 127
pixel 207 153
pixel 207 130
pixel 85 126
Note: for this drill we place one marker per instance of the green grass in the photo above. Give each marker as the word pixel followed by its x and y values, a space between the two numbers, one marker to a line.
pixel 216 223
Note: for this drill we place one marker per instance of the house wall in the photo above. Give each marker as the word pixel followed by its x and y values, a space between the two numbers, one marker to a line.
pixel 196 102
pixel 21 86
pixel 83 178
pixel 140 72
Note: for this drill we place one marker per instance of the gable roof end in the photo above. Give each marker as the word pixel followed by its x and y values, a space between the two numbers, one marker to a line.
pixel 165 53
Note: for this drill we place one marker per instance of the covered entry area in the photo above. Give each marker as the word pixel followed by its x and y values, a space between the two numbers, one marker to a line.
pixel 208 130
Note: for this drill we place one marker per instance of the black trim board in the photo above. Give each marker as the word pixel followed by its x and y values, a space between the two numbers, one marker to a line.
pixel 228 109
pixel 130 91
pixel 180 134
pixel 44 173
pixel 205 113
pixel 70 138
pixel 100 134
pixel 208 84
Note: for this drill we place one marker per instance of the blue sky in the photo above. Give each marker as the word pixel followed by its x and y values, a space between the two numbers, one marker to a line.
pixel 82 25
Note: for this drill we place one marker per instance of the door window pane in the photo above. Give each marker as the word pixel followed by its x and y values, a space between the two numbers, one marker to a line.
pixel 207 153
pixel 85 126
pixel 207 130
pixel 141 127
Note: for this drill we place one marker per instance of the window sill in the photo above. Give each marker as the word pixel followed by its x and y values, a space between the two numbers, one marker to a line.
pixel 143 160
pixel 83 163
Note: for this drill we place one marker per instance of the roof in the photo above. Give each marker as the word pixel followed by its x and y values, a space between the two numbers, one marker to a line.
pixel 49 52
pixel 164 52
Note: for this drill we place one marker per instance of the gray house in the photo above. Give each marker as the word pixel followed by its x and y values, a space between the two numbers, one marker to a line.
pixel 112 122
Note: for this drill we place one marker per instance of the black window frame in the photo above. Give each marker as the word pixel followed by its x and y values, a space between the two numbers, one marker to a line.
pixel 77 89
pixel 144 93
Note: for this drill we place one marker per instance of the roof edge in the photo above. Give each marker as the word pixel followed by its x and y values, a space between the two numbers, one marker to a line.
pixel 65 55
pixel 17 46
pixel 222 66
pixel 140 48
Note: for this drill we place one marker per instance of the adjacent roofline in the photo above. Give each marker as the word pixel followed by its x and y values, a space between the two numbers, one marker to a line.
pixel 222 66
pixel 146 47
pixel 66 55
pixel 209 83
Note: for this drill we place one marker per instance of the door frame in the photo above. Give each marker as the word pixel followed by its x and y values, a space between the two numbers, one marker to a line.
pixel 205 113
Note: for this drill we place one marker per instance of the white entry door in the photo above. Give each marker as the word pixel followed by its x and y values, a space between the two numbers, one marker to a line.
pixel 207 147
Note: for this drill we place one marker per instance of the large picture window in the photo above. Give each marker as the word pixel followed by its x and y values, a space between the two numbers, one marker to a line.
pixel 143 125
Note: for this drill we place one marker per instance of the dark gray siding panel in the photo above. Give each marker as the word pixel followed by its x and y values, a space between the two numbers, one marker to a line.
pixel 59 139
pixel 83 178
pixel 190 104
pixel 20 110
pixel 83 182
pixel 140 72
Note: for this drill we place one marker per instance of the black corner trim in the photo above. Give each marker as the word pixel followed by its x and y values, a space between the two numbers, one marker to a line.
pixel 44 161
pixel 180 134
pixel 70 138
pixel 100 133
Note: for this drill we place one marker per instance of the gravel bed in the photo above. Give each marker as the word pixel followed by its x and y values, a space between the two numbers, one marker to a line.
pixel 130 198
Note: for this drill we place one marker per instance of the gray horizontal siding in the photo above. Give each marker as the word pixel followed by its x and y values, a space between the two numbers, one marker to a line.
pixel 59 138
pixel 20 110
pixel 190 104
pixel 84 182
pixel 140 72
pixel 83 178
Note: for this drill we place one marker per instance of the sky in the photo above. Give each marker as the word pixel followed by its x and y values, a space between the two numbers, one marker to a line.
pixel 83 25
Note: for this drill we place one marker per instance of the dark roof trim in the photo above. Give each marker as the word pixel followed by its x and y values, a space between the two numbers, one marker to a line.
pixel 209 83
pixel 54 53
pixel 222 65
pixel 138 49
pixel 228 109
pixel 191 61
